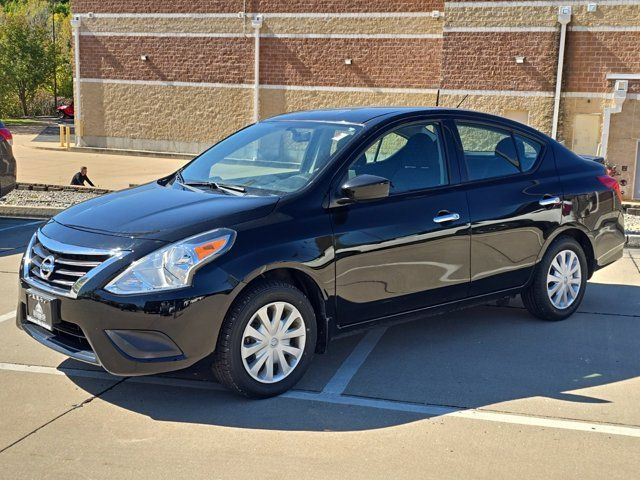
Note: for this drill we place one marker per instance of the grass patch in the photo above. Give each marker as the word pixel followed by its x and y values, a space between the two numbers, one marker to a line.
pixel 23 121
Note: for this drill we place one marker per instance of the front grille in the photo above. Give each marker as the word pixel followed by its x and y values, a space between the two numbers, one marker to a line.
pixel 66 265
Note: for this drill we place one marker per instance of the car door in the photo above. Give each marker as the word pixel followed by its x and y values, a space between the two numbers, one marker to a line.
pixel 410 250
pixel 514 196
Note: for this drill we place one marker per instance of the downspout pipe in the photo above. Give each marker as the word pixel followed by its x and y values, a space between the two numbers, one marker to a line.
pixel 77 106
pixel 256 23
pixel 564 18
pixel 619 96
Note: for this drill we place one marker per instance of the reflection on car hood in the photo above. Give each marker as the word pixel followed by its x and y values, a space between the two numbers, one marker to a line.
pixel 156 212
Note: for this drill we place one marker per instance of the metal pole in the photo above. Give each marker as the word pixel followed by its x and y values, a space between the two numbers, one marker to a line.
pixel 75 23
pixel 564 17
pixel 256 21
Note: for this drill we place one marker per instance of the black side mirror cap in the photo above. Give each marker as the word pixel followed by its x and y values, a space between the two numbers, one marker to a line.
pixel 364 188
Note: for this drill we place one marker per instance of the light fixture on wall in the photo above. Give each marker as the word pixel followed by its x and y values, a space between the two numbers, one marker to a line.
pixel 348 61
pixel 144 58
pixel 592 7
pixel 520 59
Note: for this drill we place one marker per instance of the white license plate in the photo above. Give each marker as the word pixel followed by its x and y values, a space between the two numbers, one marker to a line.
pixel 40 309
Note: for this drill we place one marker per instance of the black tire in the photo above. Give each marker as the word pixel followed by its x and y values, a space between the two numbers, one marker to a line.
pixel 535 297
pixel 228 366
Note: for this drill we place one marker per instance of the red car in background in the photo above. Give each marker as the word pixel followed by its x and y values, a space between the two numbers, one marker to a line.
pixel 65 111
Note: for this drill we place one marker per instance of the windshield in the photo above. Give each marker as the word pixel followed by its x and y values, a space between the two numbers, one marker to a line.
pixel 278 156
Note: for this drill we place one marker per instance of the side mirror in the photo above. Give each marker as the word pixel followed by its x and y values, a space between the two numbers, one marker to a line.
pixel 363 188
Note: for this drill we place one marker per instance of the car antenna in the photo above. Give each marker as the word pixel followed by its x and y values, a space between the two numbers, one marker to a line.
pixel 438 98
pixel 462 101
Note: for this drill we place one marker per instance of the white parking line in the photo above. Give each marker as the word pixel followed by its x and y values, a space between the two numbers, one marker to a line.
pixel 71 372
pixel 329 398
pixel 350 366
pixel 7 316
pixel 22 225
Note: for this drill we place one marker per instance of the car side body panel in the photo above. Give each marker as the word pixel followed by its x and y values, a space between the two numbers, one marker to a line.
pixel 590 206
pixel 508 224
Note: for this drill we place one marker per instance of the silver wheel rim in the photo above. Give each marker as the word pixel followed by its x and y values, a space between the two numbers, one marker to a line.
pixel 273 342
pixel 564 279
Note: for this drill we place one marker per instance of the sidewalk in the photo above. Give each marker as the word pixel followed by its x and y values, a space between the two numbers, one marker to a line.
pixel 57 167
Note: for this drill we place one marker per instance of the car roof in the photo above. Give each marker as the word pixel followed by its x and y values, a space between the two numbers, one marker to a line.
pixel 372 115
pixel 359 115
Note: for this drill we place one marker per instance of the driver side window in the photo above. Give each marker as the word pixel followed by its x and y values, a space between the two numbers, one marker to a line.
pixel 385 147
pixel 410 157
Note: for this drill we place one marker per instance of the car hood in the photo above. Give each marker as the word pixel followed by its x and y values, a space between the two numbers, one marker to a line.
pixel 156 212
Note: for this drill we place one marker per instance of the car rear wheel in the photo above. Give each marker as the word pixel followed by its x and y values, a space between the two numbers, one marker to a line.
pixel 266 341
pixel 559 282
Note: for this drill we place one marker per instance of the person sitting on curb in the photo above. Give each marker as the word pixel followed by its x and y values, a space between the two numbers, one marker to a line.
pixel 81 177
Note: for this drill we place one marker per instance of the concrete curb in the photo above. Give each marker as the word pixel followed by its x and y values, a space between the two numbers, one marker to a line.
pixel 633 240
pixel 115 151
pixel 28 211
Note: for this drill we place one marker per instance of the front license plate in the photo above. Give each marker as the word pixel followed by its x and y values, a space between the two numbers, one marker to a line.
pixel 41 309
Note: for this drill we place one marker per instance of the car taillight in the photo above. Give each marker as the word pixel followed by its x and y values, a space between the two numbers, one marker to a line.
pixel 612 184
pixel 6 134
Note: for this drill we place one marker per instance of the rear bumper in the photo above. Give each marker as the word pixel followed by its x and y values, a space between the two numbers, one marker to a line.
pixel 128 339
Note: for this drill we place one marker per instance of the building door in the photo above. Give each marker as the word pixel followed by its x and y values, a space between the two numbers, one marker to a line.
pixel 636 184
pixel 586 134
pixel 521 116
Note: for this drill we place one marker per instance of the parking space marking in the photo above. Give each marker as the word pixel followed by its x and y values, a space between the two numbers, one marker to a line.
pixel 352 364
pixel 71 372
pixel 7 316
pixel 22 225
pixel 330 398
pixel 470 414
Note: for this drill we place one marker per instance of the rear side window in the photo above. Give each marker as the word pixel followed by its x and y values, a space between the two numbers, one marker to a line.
pixel 528 151
pixel 491 152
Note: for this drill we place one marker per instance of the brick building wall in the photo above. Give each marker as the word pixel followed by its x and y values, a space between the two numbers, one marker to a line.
pixel 197 82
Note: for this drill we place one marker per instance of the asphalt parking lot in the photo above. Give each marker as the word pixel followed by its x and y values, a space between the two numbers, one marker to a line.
pixel 488 392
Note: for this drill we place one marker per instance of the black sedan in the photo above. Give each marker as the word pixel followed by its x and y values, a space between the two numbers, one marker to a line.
pixel 7 161
pixel 311 224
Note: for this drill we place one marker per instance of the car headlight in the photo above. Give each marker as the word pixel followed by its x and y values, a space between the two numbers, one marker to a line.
pixel 173 266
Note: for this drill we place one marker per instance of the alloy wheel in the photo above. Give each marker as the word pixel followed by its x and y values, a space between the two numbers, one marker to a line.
pixel 564 279
pixel 273 342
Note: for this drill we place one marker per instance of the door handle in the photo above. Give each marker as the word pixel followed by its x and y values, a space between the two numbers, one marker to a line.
pixel 446 217
pixel 549 200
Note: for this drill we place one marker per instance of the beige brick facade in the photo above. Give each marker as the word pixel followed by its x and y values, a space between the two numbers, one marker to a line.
pixel 275 101
pixel 165 118
pixel 200 63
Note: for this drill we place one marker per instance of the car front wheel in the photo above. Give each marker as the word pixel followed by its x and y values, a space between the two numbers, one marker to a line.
pixel 266 341
pixel 559 282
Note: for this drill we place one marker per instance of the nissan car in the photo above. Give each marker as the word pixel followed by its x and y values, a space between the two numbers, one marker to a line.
pixel 308 225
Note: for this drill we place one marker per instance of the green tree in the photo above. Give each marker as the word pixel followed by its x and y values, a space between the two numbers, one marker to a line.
pixel 27 52
pixel 64 53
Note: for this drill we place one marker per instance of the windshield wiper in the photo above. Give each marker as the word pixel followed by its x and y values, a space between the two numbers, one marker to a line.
pixel 232 189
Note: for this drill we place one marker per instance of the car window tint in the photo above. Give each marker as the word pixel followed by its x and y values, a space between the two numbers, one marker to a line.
pixel 528 151
pixel 411 157
pixel 385 147
pixel 488 152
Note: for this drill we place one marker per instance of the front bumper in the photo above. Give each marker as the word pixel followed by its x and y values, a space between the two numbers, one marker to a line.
pixel 130 337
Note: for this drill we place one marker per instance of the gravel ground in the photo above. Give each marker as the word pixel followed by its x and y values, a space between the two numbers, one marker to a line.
pixel 33 198
pixel 632 223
